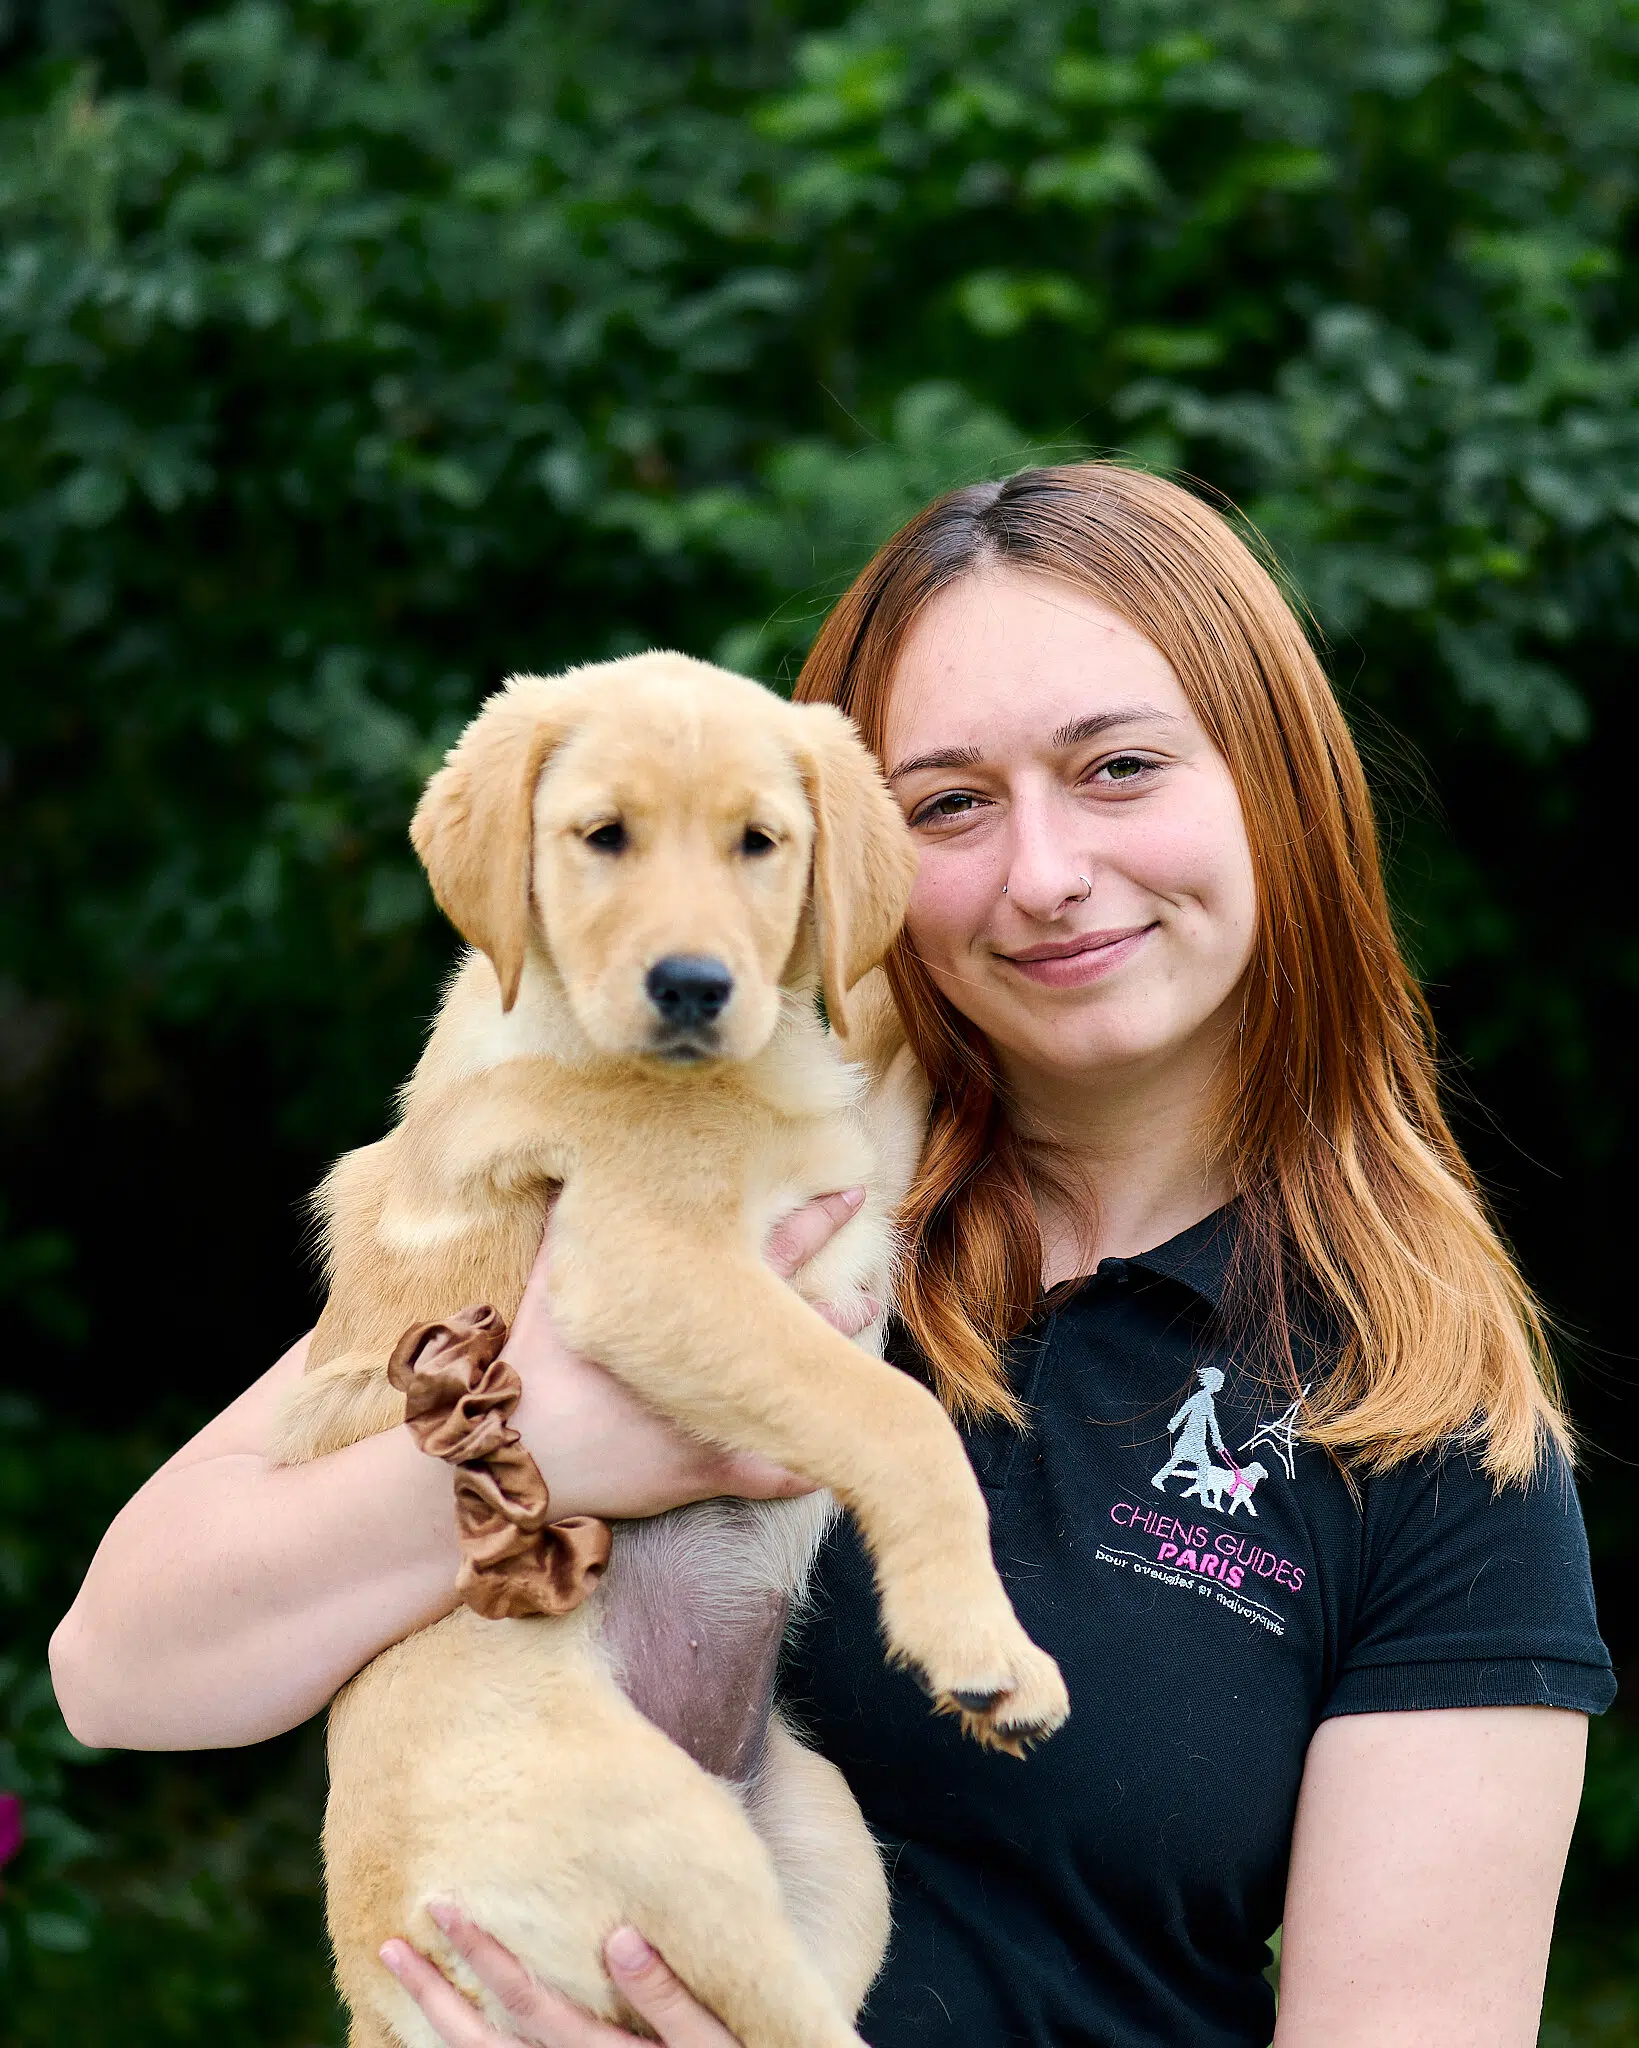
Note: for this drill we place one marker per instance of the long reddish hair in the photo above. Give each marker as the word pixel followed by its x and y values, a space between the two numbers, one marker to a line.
pixel 1351 1193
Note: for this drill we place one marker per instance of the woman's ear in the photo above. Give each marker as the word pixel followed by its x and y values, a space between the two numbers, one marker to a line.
pixel 864 857
pixel 474 825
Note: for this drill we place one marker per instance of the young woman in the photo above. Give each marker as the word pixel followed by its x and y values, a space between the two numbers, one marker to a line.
pixel 1260 1404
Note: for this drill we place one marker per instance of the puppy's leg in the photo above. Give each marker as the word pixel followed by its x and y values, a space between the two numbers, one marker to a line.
pixel 366 2031
pixel 830 1873
pixel 336 1405
pixel 771 1376
pixel 755 1973
pixel 643 1838
pixel 409 2027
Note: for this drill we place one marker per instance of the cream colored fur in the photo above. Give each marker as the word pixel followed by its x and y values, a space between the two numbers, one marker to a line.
pixel 498 1764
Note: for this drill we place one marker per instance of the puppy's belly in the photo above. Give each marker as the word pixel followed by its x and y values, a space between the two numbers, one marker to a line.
pixel 693 1611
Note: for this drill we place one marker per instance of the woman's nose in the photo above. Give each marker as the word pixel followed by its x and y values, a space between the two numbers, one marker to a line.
pixel 1051 905
pixel 1045 871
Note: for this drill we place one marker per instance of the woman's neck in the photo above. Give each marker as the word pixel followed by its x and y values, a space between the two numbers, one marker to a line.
pixel 1133 1153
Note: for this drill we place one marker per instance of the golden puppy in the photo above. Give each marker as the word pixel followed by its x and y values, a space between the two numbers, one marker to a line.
pixel 658 865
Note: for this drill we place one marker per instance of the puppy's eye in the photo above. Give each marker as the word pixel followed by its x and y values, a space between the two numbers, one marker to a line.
pixel 608 838
pixel 754 841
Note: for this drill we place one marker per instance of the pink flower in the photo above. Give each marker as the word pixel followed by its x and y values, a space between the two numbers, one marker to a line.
pixel 11 1827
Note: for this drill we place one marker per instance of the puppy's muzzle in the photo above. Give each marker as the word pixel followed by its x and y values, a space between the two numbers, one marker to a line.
pixel 689 991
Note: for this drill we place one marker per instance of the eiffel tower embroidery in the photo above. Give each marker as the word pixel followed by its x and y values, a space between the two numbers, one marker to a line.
pixel 1281 1436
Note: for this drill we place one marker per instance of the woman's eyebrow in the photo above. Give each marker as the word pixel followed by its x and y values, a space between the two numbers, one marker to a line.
pixel 1080 729
pixel 943 757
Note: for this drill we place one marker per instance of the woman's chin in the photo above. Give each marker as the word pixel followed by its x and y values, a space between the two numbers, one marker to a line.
pixel 1080 1057
pixel 1086 1051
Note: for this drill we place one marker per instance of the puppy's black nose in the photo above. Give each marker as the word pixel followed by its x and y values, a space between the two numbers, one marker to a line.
pixel 688 989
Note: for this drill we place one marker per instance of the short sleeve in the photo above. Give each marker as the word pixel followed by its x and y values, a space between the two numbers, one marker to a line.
pixel 1470 1597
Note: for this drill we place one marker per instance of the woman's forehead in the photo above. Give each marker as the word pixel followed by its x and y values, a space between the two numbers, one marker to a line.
pixel 1000 657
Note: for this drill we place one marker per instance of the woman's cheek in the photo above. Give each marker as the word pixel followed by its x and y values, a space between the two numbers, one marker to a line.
pixel 1196 854
pixel 951 903
pixel 1227 889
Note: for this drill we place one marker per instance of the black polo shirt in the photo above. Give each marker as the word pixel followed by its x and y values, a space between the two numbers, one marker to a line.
pixel 1212 1591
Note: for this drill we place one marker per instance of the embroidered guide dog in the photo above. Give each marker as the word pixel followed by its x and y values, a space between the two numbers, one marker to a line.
pixel 657 866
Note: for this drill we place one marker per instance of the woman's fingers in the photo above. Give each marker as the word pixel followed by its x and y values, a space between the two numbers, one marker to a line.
pixel 856 1313
pixel 743 1475
pixel 535 2012
pixel 654 1993
pixel 753 1478
pixel 807 1230
pixel 540 2015
pixel 457 2023
pixel 534 1300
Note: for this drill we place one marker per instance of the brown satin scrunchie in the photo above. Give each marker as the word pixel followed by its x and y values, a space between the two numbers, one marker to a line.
pixel 459 1395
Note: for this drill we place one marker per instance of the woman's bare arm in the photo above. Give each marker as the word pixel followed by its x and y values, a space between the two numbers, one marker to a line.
pixel 230 1599
pixel 1425 1868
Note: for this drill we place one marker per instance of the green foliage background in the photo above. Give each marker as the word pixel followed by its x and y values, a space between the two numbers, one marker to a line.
pixel 358 351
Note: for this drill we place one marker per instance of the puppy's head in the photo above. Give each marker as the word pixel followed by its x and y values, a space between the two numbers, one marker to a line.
pixel 682 846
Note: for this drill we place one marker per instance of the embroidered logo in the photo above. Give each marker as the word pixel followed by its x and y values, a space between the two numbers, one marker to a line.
pixel 1219 1564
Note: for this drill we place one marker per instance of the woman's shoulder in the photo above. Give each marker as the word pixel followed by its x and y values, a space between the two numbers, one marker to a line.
pixel 1474 1592
pixel 1441 1510
pixel 1451 1482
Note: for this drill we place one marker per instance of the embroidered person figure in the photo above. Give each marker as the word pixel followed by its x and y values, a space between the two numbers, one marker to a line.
pixel 1198 1422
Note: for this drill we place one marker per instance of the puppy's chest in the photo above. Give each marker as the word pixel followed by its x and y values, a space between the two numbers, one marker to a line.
pixel 744 1148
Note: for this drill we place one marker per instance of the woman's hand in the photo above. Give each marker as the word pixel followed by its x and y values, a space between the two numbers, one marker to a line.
pixel 542 2016
pixel 601 1450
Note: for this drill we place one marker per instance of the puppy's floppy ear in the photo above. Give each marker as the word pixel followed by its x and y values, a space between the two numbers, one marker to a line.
pixel 474 825
pixel 864 856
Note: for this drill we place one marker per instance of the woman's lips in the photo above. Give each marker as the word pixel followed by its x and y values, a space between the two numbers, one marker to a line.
pixel 1072 963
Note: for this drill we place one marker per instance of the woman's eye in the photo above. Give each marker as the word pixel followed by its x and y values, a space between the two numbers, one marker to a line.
pixel 1124 768
pixel 955 803
pixel 608 838
pixel 754 841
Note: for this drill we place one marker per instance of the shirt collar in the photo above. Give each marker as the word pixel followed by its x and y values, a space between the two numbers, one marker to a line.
pixel 1197 1258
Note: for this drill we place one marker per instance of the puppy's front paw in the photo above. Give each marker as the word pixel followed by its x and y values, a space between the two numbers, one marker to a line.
pixel 1025 1706
pixel 1007 1692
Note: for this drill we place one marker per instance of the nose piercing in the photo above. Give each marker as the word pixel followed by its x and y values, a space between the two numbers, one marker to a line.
pixel 1086 890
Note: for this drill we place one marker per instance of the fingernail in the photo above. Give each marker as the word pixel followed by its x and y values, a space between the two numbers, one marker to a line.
pixel 391 1953
pixel 853 1198
pixel 872 1308
pixel 444 1913
pixel 627 1949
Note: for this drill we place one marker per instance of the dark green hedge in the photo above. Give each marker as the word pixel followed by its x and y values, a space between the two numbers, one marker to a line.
pixel 358 351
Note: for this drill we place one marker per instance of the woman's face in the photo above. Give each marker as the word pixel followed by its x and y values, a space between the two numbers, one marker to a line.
pixel 1086 892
